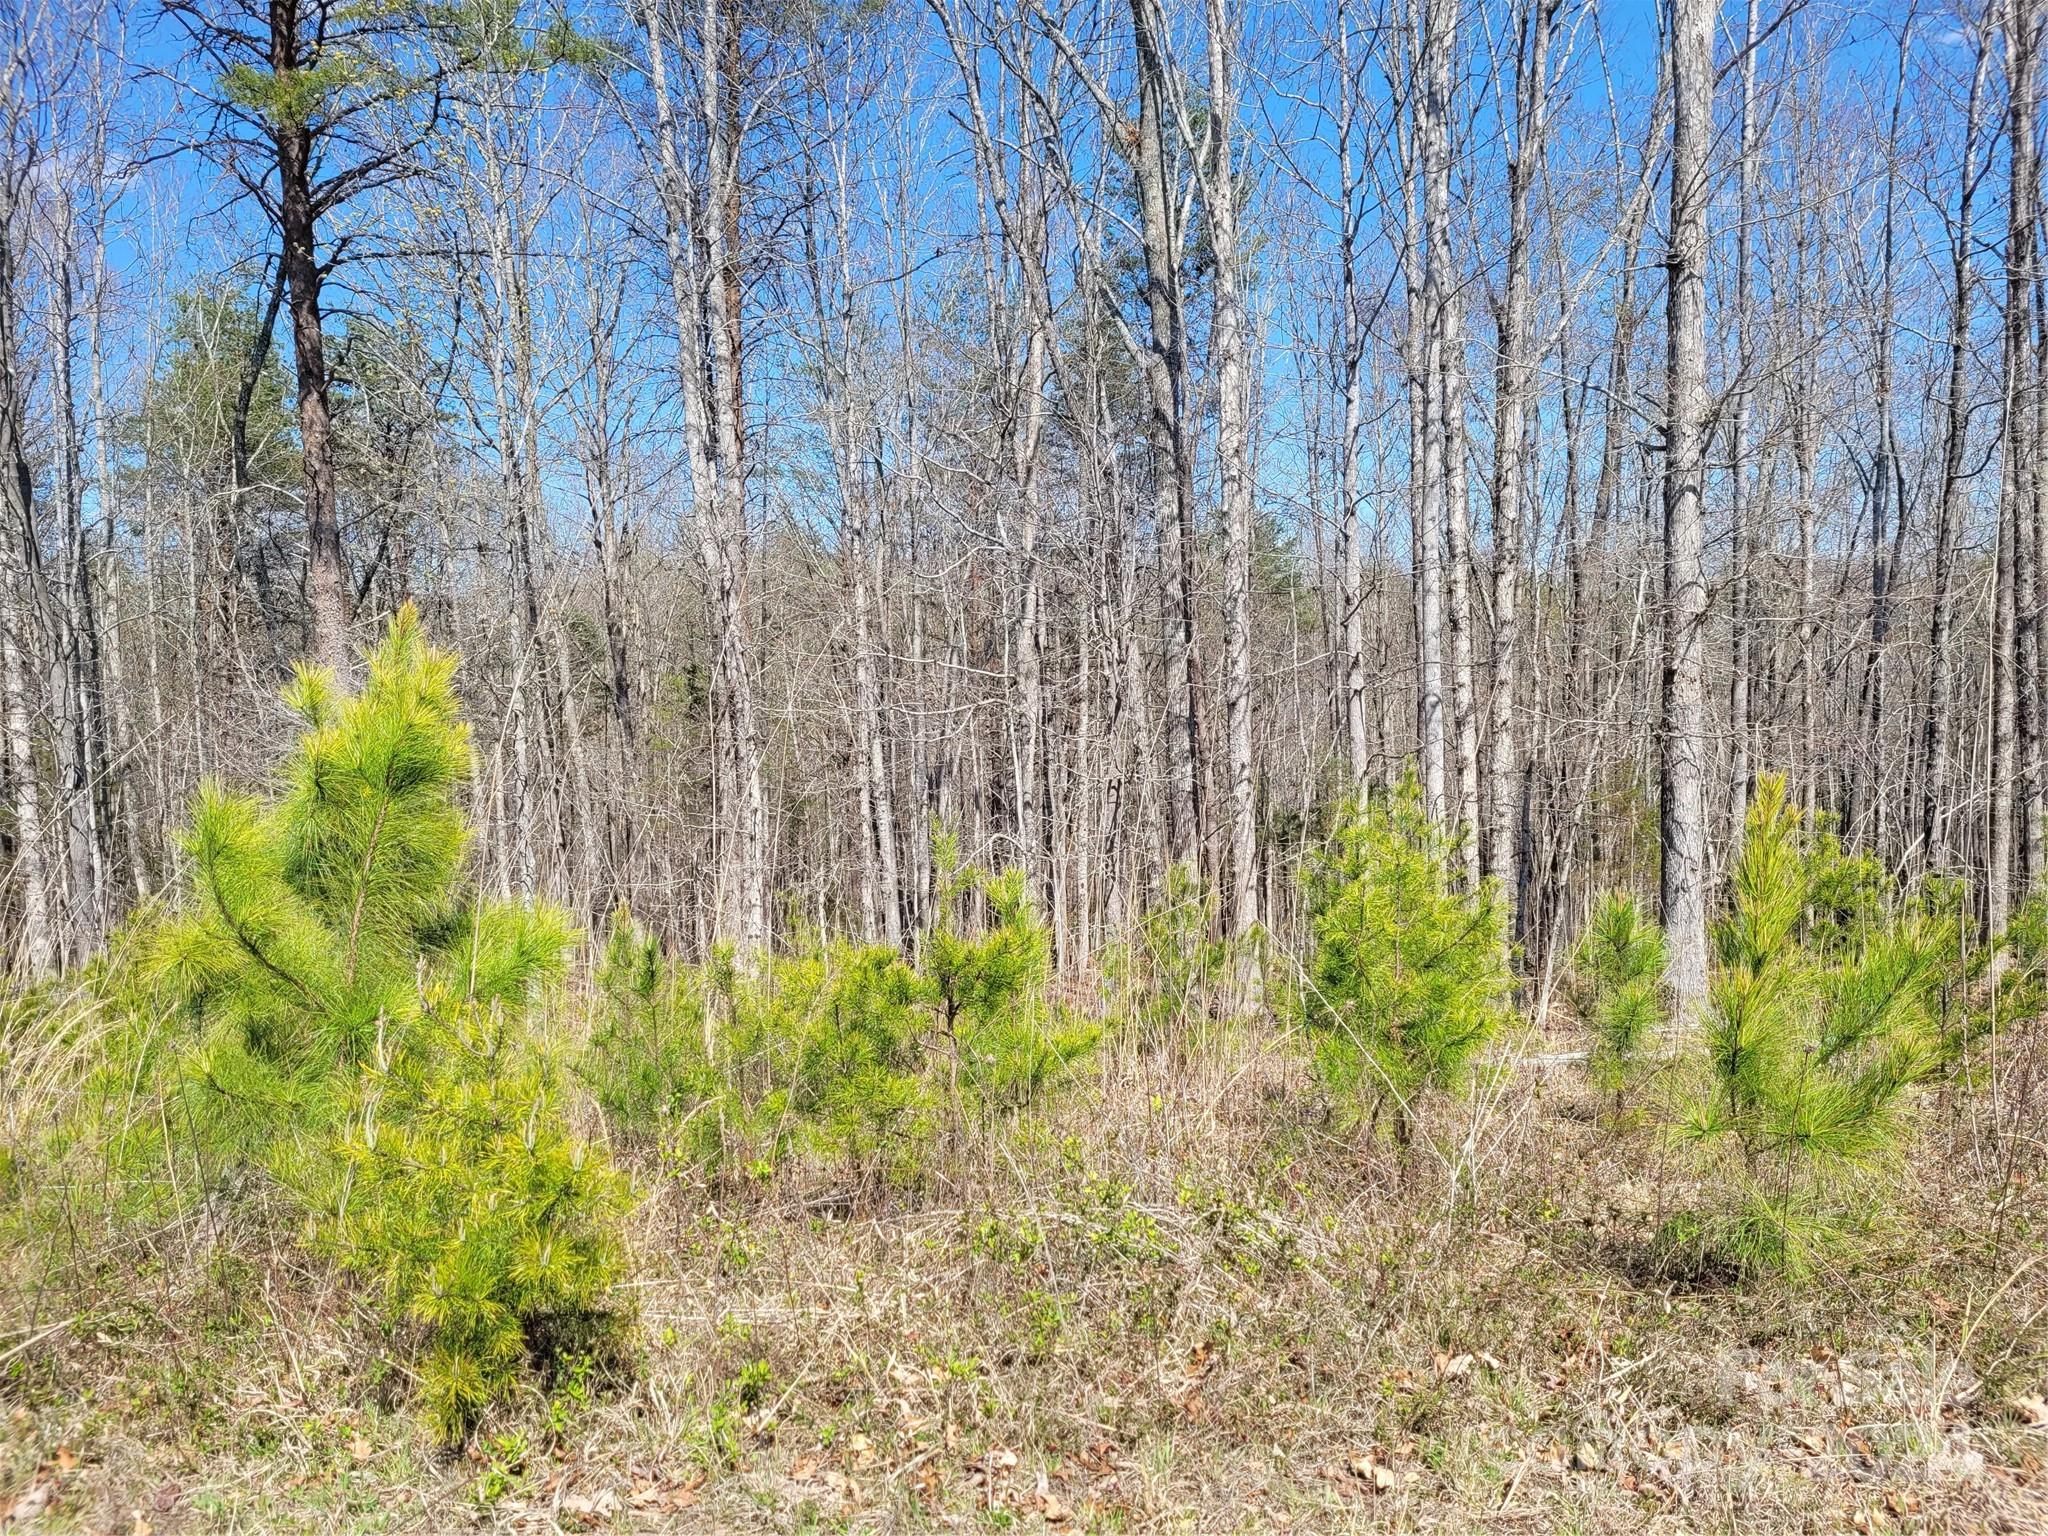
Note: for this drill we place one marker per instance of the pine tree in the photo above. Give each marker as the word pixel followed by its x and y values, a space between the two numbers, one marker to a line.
pixel 1408 979
pixel 1005 1040
pixel 356 1016
pixel 1809 1051
pixel 1617 989
pixel 845 1050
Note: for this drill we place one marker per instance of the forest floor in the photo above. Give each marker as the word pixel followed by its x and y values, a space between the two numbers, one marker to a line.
pixel 1180 1304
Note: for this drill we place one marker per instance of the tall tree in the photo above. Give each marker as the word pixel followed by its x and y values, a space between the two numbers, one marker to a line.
pixel 1682 745
pixel 313 106
pixel 1534 23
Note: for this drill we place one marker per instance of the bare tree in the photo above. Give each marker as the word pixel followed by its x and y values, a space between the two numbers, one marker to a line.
pixel 1683 735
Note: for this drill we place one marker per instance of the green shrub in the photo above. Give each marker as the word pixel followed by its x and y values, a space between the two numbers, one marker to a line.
pixel 1616 989
pixel 646 1062
pixel 846 1051
pixel 1994 988
pixel 727 1070
pixel 352 1014
pixel 1005 1041
pixel 316 918
pixel 1167 976
pixel 456 1192
pixel 1808 1051
pixel 856 1081
pixel 1408 975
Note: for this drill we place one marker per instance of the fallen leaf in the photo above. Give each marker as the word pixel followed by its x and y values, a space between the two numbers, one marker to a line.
pixel 359 1448
pixel 2032 1409
pixel 1375 1473
pixel 31 1502
pixel 601 1505
pixel 141 1527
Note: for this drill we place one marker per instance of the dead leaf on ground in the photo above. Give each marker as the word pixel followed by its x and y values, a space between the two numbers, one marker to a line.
pixel 1450 1367
pixel 29 1503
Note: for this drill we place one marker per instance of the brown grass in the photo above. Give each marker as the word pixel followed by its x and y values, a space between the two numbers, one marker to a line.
pixel 1180 1302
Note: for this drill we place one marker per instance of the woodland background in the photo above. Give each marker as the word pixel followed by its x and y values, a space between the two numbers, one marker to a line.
pixel 877 765
pixel 1114 436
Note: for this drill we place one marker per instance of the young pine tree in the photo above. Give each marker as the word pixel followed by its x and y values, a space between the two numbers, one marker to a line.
pixel 1005 1040
pixel 1617 989
pixel 356 1017
pixel 1408 977
pixel 728 1071
pixel 1809 1050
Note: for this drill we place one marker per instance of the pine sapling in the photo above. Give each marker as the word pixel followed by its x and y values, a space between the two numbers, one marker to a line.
pixel 1617 989
pixel 1808 1053
pixel 355 1016
pixel 1408 977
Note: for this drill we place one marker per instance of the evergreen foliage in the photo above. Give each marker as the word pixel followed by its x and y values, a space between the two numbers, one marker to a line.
pixel 842 1050
pixel 645 1061
pixel 354 1029
pixel 728 1072
pixel 1617 989
pixel 1408 978
pixel 456 1191
pixel 1169 974
pixel 1808 1050
pixel 988 989
pixel 319 916
pixel 1992 989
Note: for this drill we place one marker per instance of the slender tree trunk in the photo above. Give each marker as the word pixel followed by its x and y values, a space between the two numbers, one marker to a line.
pixel 1939 731
pixel 327 585
pixel 1512 372
pixel 1351 343
pixel 40 945
pixel 1431 21
pixel 1740 478
pixel 1229 348
pixel 2011 807
pixel 71 622
pixel 1166 369
pixel 1683 744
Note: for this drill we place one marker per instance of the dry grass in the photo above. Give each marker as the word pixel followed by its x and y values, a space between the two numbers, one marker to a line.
pixel 1181 1304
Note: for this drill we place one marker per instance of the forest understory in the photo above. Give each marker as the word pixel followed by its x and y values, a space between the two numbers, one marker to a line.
pixel 342 1196
pixel 1180 1305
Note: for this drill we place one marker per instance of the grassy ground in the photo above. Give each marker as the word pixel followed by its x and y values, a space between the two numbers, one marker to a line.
pixel 1181 1303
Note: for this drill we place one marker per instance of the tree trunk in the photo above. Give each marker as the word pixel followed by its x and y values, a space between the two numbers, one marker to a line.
pixel 40 945
pixel 1939 731
pixel 1683 746
pixel 1230 348
pixel 1512 371
pixel 327 586
pixel 1166 368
